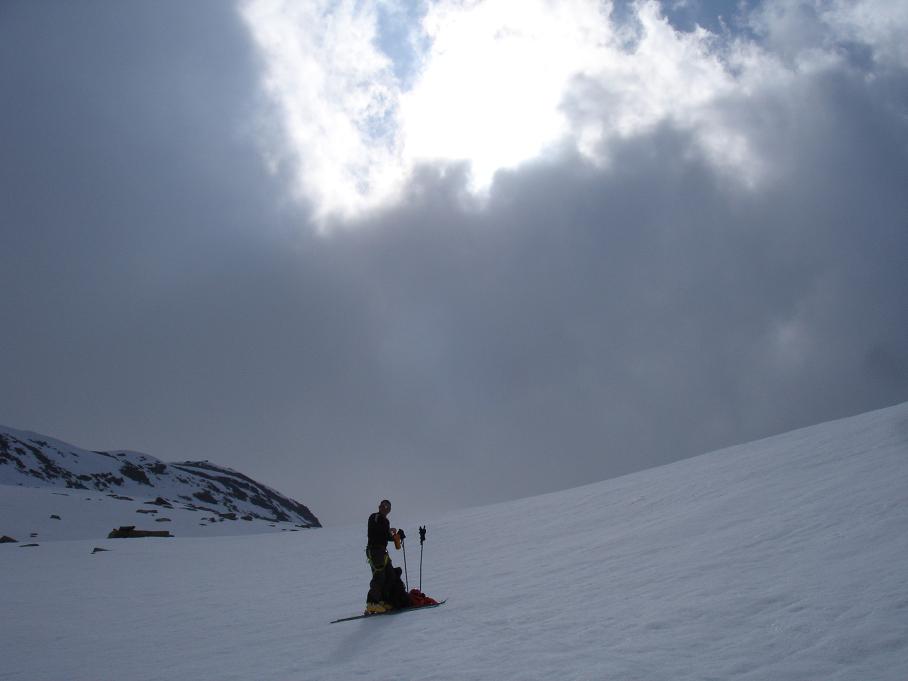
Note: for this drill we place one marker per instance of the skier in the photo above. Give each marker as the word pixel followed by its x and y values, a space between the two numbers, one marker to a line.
pixel 386 590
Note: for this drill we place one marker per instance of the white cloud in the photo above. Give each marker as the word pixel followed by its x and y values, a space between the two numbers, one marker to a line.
pixel 881 25
pixel 803 29
pixel 336 95
pixel 499 82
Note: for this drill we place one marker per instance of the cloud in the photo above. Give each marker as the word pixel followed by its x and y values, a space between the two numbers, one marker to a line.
pixel 596 319
pixel 496 84
pixel 805 30
pixel 700 242
pixel 336 95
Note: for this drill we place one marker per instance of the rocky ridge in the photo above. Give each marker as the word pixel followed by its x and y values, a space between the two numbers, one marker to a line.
pixel 32 460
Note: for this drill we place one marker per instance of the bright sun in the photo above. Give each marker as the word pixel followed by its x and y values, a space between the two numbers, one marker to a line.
pixel 492 89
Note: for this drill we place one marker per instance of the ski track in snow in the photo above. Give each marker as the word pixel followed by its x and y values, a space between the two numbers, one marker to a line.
pixel 779 560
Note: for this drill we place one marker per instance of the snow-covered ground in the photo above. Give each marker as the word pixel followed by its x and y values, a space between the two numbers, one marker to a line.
pixel 55 514
pixel 783 559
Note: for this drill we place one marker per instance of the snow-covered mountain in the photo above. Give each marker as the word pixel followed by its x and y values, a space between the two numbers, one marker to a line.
pixel 208 493
pixel 778 560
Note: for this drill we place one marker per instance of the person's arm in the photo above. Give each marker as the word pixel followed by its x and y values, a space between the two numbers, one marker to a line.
pixel 388 529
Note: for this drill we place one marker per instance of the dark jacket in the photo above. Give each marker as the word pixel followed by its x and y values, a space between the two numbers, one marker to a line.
pixel 379 531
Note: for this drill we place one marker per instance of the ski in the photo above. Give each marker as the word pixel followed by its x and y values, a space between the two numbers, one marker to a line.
pixel 392 612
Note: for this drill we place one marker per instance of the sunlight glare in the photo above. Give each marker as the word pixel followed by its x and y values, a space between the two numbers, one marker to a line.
pixel 494 83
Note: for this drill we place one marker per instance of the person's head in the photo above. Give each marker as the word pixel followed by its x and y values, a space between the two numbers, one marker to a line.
pixel 384 507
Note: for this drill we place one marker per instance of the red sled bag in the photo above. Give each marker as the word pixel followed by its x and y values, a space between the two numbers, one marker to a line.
pixel 418 599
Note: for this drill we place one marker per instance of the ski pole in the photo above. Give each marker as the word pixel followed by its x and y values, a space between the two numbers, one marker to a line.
pixel 403 545
pixel 422 540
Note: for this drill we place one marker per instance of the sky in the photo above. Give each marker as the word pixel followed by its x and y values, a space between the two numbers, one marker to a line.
pixel 449 252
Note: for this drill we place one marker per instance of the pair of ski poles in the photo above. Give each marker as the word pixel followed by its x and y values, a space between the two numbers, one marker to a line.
pixel 403 545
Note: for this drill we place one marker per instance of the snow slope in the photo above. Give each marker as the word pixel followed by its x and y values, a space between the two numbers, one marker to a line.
pixel 779 560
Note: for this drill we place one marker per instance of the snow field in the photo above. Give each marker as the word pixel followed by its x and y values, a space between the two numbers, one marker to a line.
pixel 778 560
pixel 87 514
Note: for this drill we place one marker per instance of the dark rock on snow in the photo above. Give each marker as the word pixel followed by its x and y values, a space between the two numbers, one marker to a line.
pixel 130 532
pixel 159 501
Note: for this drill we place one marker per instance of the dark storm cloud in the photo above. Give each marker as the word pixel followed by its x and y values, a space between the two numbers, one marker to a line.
pixel 160 293
pixel 593 322
pixel 135 213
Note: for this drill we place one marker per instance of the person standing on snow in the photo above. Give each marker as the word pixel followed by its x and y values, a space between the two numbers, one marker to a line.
pixel 386 590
